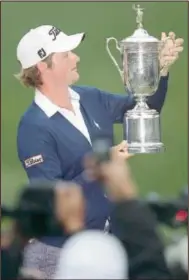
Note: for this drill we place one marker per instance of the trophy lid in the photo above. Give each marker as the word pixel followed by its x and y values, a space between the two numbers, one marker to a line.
pixel 140 34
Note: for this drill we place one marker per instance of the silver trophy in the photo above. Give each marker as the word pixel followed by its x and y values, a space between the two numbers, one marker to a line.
pixel 140 75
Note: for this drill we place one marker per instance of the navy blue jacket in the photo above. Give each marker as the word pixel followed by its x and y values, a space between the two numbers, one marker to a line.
pixel 62 147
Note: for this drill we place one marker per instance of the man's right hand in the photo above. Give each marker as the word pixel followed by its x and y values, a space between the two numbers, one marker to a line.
pixel 121 151
pixel 117 178
pixel 114 174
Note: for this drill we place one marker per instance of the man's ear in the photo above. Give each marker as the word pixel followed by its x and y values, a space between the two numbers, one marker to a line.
pixel 42 66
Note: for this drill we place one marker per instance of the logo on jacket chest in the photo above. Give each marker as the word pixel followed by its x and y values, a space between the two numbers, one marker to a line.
pixel 97 125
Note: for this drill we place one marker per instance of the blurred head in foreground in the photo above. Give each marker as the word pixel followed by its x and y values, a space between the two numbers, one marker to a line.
pixel 92 255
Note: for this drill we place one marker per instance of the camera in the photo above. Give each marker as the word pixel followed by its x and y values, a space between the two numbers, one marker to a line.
pixel 101 149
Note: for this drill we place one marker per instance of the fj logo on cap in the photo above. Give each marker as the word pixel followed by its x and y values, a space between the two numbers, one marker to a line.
pixel 33 161
pixel 42 53
pixel 54 32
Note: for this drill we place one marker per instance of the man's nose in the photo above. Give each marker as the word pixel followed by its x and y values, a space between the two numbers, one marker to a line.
pixel 75 57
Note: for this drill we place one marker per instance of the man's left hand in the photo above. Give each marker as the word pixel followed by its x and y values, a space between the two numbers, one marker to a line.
pixel 170 51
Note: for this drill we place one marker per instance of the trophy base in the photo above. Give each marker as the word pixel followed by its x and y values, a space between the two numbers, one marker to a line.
pixel 145 149
pixel 142 131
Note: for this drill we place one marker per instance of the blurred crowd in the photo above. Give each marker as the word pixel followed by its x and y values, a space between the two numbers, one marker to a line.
pixel 137 251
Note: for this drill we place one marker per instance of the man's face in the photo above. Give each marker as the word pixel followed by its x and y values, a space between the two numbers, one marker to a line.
pixel 64 67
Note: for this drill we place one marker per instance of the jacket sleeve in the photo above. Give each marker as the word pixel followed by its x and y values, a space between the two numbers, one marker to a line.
pixel 117 104
pixel 135 226
pixel 37 153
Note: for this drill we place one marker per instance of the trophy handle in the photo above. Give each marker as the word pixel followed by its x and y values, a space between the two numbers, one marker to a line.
pixel 121 72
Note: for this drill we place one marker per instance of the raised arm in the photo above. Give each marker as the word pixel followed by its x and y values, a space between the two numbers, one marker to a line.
pixel 118 104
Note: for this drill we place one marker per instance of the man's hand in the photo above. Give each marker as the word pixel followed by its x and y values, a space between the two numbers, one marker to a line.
pixel 117 179
pixel 116 152
pixel 121 151
pixel 170 51
pixel 115 176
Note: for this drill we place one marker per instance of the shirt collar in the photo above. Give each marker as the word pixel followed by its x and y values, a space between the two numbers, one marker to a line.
pixel 46 104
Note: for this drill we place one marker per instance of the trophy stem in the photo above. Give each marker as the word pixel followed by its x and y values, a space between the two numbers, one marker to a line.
pixel 141 104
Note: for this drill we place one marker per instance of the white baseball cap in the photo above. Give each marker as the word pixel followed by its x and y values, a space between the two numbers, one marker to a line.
pixel 92 255
pixel 42 41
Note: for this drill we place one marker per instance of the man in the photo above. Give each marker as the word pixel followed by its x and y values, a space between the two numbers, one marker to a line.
pixel 59 127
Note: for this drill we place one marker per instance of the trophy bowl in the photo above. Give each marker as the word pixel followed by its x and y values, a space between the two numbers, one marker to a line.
pixel 141 67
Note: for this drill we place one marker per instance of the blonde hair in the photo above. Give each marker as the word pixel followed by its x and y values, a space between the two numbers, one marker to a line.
pixel 31 77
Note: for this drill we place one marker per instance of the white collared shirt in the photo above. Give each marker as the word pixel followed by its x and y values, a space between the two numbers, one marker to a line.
pixel 50 109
